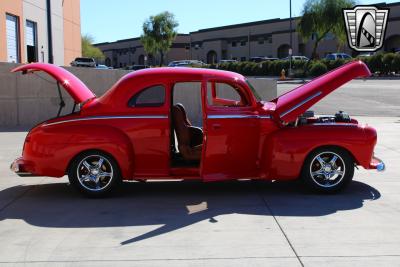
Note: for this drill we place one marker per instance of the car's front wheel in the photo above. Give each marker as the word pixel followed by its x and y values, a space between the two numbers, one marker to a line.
pixel 94 173
pixel 328 170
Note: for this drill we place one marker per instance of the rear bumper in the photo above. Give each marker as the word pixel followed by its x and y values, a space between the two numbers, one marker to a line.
pixel 377 164
pixel 21 168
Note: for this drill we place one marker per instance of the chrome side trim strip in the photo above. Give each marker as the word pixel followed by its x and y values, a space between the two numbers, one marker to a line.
pixel 110 117
pixel 238 117
pixel 333 124
pixel 301 103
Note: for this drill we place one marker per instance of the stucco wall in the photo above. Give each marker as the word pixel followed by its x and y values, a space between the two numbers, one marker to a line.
pixel 26 100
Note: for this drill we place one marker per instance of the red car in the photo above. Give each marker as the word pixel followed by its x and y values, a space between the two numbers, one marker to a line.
pixel 136 131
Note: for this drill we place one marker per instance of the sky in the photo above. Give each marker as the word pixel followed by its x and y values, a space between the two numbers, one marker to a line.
pixel 111 20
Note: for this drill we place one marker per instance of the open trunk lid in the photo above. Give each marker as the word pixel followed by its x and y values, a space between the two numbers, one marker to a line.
pixel 295 102
pixel 75 87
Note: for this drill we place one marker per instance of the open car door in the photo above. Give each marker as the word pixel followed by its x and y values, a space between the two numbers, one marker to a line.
pixel 289 106
pixel 75 87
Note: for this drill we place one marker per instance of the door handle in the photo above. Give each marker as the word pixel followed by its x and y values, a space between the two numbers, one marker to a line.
pixel 216 126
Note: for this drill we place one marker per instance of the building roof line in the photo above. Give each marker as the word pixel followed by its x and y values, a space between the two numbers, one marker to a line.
pixel 246 24
pixel 132 39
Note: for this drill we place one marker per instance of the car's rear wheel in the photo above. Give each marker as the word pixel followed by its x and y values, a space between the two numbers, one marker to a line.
pixel 94 173
pixel 328 170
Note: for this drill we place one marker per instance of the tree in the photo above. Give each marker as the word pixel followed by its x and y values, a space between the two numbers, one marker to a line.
pixel 159 33
pixel 320 17
pixel 88 50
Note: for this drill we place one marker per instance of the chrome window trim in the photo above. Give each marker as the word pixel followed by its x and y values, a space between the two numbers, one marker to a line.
pixel 238 117
pixel 283 114
pixel 110 117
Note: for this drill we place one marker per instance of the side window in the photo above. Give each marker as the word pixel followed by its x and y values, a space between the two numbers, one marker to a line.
pixel 225 95
pixel 153 96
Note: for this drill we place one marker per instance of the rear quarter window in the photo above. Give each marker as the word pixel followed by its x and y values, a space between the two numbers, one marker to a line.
pixel 153 96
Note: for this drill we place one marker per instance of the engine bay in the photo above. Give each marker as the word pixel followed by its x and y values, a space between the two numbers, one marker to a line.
pixel 309 117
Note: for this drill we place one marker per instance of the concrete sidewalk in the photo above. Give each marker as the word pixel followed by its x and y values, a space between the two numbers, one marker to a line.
pixel 44 222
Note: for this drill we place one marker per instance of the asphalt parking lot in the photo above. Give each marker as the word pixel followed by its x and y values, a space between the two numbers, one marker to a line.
pixel 44 222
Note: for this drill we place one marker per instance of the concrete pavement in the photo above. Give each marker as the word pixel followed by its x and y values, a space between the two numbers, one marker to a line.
pixel 44 222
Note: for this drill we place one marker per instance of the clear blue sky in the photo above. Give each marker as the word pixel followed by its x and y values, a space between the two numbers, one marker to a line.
pixel 111 20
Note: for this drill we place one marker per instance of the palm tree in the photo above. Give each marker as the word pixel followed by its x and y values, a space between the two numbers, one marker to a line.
pixel 159 33
pixel 320 17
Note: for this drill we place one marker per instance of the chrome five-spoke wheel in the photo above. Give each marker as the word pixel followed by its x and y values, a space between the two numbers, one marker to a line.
pixel 94 173
pixel 328 169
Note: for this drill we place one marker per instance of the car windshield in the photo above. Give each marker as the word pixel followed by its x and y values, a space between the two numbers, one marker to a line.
pixel 256 95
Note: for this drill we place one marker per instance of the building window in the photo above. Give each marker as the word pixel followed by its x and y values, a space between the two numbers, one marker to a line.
pixel 243 59
pixel 243 43
pixel 234 44
pixel 153 96
pixel 261 40
pixel 13 42
pixel 31 41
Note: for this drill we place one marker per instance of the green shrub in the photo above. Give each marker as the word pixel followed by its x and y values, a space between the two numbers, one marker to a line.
pixel 387 60
pixel 299 64
pixel 375 63
pixel 317 68
pixel 247 68
pixel 265 67
pixel 396 63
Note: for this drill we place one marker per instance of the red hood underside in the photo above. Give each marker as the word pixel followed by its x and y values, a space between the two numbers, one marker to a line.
pixel 295 102
pixel 75 87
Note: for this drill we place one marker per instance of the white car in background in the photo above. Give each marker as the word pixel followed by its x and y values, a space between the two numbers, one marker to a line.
pixel 84 62
pixel 302 58
pixel 185 63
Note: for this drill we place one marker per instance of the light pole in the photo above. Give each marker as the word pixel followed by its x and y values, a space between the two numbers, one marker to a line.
pixel 291 39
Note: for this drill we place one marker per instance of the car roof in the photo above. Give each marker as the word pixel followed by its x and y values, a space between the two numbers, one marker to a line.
pixel 182 72
pixel 151 76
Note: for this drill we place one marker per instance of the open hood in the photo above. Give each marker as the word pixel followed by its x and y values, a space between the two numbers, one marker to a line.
pixel 295 102
pixel 75 87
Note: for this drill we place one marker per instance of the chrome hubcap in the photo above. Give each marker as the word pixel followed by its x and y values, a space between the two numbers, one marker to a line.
pixel 327 169
pixel 95 172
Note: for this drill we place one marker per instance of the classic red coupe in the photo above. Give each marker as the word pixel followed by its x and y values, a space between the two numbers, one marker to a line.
pixel 137 131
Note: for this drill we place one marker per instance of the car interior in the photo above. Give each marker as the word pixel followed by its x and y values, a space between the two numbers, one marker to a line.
pixel 187 140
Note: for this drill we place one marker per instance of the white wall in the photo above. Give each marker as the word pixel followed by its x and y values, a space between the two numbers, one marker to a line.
pixel 35 10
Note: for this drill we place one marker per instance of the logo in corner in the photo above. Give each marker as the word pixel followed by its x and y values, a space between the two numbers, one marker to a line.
pixel 366 27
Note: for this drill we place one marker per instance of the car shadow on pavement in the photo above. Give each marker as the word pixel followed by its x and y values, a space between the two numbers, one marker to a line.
pixel 174 205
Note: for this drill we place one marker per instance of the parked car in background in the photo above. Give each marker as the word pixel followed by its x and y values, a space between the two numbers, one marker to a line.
pixel 128 132
pixel 366 54
pixel 224 61
pixel 335 56
pixel 301 58
pixel 184 63
pixel 261 59
pixel 84 62
pixel 137 67
pixel 102 67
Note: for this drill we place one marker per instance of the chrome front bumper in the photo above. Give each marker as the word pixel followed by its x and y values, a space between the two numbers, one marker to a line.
pixel 19 168
pixel 378 164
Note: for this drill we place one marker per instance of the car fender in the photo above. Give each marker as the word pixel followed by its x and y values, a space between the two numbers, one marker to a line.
pixel 53 147
pixel 286 149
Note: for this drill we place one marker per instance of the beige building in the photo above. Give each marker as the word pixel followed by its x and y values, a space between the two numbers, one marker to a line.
pixel 269 38
pixel 127 52
pixel 40 31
